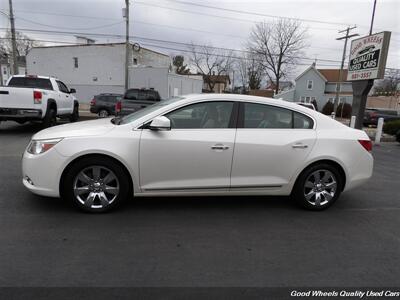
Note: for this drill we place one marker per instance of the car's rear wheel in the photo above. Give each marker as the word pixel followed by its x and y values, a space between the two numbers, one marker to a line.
pixel 318 187
pixel 103 113
pixel 96 184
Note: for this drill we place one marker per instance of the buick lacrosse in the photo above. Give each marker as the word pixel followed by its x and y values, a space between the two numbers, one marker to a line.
pixel 215 144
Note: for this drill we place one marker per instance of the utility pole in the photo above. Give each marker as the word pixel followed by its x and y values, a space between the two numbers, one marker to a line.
pixel 346 37
pixel 14 68
pixel 372 18
pixel 127 46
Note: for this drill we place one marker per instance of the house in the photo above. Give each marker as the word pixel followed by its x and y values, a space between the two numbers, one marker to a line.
pixel 319 85
pixel 283 85
pixel 93 68
pixel 5 68
pixel 218 83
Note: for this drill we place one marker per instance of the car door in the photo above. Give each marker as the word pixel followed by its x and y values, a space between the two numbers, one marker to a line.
pixel 196 154
pixel 271 144
pixel 65 103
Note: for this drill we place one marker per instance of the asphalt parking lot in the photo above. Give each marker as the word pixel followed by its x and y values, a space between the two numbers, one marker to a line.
pixel 199 242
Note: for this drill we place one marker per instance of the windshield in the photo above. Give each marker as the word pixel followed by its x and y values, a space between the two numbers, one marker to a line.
pixel 149 109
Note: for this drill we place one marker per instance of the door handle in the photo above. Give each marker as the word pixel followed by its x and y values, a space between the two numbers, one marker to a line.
pixel 220 147
pixel 299 146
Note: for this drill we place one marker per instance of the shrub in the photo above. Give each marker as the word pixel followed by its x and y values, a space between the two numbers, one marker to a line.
pixel 315 104
pixel 391 127
pixel 346 107
pixel 328 108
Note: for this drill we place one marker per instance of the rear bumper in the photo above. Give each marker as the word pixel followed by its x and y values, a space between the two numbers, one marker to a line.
pixel 20 113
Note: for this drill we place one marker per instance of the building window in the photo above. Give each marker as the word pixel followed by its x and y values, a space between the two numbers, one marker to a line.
pixel 75 62
pixel 5 71
pixel 309 84
pixel 307 99
pixel 135 61
pixel 302 98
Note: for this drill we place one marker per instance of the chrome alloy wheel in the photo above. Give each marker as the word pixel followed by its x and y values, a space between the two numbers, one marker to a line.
pixel 320 187
pixel 96 187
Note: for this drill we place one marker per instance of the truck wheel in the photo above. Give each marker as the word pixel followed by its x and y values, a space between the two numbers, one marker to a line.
pixel 50 119
pixel 75 115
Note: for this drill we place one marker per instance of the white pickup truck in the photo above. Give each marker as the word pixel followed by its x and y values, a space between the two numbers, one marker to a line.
pixel 37 98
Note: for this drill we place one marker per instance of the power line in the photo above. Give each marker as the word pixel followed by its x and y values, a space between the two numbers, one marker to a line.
pixel 254 13
pixel 156 40
pixel 69 28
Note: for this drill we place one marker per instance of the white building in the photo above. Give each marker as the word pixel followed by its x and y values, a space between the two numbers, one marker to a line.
pixel 100 68
pixel 5 69
pixel 166 83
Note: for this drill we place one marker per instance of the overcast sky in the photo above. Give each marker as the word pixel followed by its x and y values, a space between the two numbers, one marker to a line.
pixel 176 22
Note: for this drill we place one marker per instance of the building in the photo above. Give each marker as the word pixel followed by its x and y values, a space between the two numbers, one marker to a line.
pixel 283 85
pixel 219 83
pixel 319 85
pixel 5 68
pixel 168 84
pixel 92 68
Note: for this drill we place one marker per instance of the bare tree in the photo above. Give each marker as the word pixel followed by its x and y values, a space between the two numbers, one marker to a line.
pixel 390 84
pixel 24 43
pixel 279 44
pixel 250 71
pixel 209 61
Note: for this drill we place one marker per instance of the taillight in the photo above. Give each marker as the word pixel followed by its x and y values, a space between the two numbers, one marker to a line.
pixel 118 106
pixel 37 97
pixel 93 102
pixel 367 144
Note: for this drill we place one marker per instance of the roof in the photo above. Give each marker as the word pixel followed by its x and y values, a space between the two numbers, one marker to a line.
pixel 92 45
pixel 332 75
pixel 312 67
pixel 217 78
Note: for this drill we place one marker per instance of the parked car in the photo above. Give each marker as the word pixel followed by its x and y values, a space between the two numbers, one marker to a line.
pixel 136 99
pixel 371 115
pixel 308 105
pixel 37 98
pixel 214 144
pixel 104 104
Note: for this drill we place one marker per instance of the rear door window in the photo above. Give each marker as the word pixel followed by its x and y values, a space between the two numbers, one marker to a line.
pixel 273 117
pixel 132 94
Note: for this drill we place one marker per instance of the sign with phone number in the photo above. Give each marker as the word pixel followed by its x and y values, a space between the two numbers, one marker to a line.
pixel 368 57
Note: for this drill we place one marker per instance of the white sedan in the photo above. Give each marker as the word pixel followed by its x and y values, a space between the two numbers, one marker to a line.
pixel 214 144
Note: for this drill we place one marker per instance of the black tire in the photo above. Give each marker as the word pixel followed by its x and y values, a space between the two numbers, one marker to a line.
pixel 50 119
pixel 75 114
pixel 103 113
pixel 70 181
pixel 327 191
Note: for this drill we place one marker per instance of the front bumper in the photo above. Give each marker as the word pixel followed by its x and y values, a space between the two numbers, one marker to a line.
pixel 41 173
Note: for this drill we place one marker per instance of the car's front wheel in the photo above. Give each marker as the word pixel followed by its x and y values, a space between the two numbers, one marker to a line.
pixel 95 184
pixel 318 187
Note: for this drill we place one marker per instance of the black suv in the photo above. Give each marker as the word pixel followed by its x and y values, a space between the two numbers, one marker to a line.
pixel 136 99
pixel 104 104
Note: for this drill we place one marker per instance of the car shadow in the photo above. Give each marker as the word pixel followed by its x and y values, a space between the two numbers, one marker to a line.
pixel 198 203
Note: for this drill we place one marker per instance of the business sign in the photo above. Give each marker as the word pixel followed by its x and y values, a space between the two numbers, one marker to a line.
pixel 368 57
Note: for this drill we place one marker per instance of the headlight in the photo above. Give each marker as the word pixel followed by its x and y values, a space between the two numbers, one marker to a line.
pixel 41 146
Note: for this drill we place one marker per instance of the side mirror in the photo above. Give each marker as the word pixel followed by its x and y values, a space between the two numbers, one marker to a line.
pixel 72 91
pixel 160 123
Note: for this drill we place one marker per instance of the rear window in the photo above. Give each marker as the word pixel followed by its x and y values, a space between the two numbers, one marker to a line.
pixel 31 82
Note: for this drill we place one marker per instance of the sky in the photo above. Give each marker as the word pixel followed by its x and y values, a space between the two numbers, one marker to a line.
pixel 168 25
